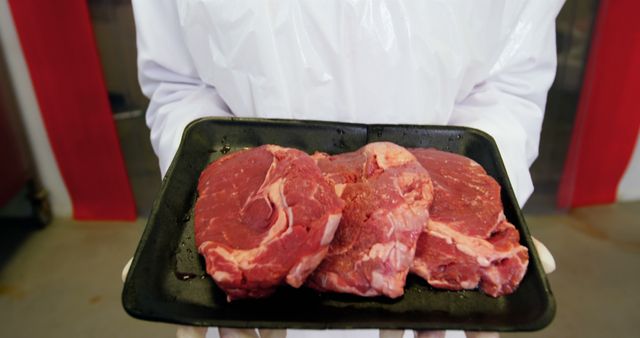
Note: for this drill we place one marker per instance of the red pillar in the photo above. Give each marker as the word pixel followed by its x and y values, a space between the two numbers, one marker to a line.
pixel 60 51
pixel 608 116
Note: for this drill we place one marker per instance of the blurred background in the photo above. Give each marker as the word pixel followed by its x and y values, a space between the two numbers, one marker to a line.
pixel 62 245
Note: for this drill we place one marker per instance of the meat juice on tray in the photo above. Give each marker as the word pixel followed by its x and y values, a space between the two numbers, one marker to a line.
pixel 267 217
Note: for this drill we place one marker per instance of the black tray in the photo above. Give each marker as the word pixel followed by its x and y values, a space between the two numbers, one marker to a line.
pixel 167 281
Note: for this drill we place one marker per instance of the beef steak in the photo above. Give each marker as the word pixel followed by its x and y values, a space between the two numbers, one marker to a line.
pixel 264 216
pixel 387 195
pixel 467 242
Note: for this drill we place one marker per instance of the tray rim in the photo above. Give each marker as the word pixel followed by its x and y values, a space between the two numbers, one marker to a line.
pixel 128 296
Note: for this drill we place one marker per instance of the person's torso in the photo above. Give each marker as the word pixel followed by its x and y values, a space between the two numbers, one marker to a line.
pixel 368 61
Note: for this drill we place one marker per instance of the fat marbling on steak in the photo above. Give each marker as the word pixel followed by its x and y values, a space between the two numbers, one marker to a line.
pixel 264 217
pixel 387 194
pixel 467 243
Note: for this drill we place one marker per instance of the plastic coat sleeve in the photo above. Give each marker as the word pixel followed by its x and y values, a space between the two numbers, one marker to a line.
pixel 510 104
pixel 168 77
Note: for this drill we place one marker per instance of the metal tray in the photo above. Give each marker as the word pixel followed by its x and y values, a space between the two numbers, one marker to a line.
pixel 167 281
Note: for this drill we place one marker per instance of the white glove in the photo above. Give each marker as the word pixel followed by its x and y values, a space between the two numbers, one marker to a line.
pixel 547 260
pixel 250 333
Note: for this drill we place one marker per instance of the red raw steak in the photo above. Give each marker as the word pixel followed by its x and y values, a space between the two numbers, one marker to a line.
pixel 387 194
pixel 467 242
pixel 264 216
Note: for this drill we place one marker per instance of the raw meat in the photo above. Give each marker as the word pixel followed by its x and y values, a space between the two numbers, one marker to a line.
pixel 387 195
pixel 264 216
pixel 467 242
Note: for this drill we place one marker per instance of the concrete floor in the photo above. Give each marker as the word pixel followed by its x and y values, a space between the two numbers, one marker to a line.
pixel 64 280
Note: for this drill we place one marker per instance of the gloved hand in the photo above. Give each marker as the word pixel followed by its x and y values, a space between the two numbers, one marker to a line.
pixel 548 264
pixel 547 260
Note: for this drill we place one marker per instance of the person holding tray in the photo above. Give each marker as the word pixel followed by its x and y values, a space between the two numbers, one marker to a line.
pixel 486 65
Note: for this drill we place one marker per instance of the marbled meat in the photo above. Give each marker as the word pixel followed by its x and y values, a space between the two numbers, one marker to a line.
pixel 467 243
pixel 387 194
pixel 264 217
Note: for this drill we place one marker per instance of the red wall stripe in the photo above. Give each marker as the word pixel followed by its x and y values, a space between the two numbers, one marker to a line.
pixel 60 51
pixel 608 115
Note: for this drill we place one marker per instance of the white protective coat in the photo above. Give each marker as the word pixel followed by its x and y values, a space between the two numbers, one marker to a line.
pixel 482 64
